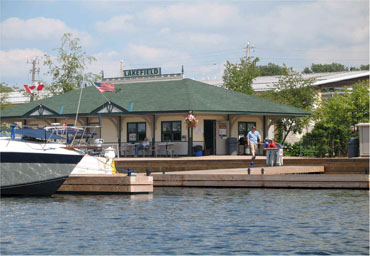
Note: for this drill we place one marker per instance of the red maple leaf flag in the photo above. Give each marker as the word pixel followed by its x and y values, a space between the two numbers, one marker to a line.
pixel 105 87
pixel 27 89
pixel 40 87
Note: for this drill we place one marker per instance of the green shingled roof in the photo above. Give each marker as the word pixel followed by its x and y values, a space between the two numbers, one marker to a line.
pixel 156 97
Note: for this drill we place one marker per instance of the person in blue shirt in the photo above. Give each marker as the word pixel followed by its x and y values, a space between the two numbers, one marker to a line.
pixel 253 137
pixel 144 145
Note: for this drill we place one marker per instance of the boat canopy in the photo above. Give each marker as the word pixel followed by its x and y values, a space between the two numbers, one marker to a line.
pixel 39 133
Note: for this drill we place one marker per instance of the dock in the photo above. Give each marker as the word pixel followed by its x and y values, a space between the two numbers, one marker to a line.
pixel 337 165
pixel 224 172
pixel 107 184
pixel 270 177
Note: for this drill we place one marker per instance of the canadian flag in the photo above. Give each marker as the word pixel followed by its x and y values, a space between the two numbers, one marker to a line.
pixel 30 89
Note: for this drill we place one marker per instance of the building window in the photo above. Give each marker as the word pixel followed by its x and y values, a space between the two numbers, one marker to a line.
pixel 136 132
pixel 171 131
pixel 244 128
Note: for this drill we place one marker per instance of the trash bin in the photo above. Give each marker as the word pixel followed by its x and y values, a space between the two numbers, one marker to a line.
pixel 232 146
pixel 198 150
pixel 272 155
pixel 352 147
pixel 241 147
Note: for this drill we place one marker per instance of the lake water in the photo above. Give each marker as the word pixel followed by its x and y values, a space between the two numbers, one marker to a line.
pixel 189 221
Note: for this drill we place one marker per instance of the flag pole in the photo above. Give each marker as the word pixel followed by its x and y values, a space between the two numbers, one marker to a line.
pixel 78 106
pixel 105 97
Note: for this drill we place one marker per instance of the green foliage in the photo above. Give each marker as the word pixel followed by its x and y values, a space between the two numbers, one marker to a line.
pixel 365 67
pixel 295 91
pixel 68 70
pixel 336 119
pixel 4 90
pixel 271 70
pixel 334 67
pixel 299 149
pixel 321 68
pixel 239 77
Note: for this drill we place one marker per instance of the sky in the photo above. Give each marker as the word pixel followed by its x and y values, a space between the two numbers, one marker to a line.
pixel 200 35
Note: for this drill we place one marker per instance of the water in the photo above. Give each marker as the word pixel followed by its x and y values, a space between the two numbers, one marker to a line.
pixel 189 221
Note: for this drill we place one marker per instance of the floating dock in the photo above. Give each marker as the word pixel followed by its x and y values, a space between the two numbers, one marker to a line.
pixel 107 183
pixel 337 165
pixel 269 177
pixel 224 171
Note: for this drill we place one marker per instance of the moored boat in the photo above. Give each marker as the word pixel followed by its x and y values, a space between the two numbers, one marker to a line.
pixel 34 164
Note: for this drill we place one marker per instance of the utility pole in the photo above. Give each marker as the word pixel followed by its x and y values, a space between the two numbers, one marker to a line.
pixel 34 69
pixel 248 52
pixel 34 62
pixel 121 69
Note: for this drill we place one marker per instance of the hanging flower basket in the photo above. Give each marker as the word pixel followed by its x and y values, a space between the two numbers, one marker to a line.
pixel 192 125
pixel 191 121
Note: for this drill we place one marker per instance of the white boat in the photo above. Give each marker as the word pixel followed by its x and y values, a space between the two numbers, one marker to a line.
pixel 34 164
pixel 95 164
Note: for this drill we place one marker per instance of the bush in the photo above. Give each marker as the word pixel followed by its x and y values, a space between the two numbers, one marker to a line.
pixel 299 149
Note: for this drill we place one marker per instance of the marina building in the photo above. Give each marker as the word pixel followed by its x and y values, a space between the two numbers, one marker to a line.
pixel 149 104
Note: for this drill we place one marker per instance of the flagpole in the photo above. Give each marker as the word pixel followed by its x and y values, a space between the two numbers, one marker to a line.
pixel 78 106
pixel 105 97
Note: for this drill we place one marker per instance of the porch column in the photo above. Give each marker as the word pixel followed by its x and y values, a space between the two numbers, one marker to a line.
pixel 119 135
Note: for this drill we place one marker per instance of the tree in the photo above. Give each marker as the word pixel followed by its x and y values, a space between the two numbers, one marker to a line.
pixel 271 70
pixel 321 68
pixel 365 67
pixel 68 71
pixel 336 119
pixel 239 77
pixel 295 91
pixel 4 92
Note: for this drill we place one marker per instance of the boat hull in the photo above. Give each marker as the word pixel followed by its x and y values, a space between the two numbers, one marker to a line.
pixel 34 169
pixel 34 174
pixel 39 188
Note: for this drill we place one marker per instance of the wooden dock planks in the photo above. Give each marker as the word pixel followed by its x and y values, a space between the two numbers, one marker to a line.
pixel 107 184
pixel 270 179
pixel 341 165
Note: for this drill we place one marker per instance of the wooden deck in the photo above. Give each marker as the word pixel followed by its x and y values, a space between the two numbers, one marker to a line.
pixel 225 171
pixel 230 179
pixel 331 165
pixel 108 183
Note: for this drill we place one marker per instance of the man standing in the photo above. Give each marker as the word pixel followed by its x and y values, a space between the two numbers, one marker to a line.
pixel 253 137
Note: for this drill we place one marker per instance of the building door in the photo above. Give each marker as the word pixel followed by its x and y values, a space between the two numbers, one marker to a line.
pixel 209 137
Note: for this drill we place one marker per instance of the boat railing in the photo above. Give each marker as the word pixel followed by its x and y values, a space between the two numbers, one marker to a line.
pixel 74 135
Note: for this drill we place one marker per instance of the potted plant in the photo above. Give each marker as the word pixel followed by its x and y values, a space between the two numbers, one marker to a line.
pixel 191 120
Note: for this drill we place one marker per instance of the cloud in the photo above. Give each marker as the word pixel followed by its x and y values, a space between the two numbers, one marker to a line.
pixel 108 61
pixel 352 56
pixel 313 24
pixel 40 30
pixel 14 67
pixel 200 16
pixel 115 24
pixel 205 39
